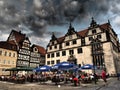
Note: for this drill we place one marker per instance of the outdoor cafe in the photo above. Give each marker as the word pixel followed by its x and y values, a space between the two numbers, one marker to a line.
pixel 63 72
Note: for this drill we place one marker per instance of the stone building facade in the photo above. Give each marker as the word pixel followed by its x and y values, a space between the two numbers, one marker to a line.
pixel 97 45
pixel 8 57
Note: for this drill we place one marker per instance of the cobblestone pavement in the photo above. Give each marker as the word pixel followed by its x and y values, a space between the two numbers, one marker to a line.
pixel 113 84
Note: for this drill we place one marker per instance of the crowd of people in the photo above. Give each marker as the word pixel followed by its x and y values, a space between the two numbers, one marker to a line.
pixel 55 77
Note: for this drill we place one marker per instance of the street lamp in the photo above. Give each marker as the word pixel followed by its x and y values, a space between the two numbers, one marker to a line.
pixel 94 72
pixel 104 66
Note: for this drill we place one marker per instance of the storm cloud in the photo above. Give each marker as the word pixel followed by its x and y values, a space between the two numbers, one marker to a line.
pixel 35 16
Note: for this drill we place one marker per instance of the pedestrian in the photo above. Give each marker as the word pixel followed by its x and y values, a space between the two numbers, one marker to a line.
pixel 118 76
pixel 31 78
pixel 76 81
pixel 104 76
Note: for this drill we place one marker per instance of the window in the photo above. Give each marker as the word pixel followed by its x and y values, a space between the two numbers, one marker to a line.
pixel 50 47
pixel 9 62
pixel 5 53
pixel 0 52
pixel 48 55
pixel 71 52
pixel 25 44
pixel 82 41
pixel 35 49
pixel 57 54
pixel 13 54
pixel 52 62
pixel 79 50
pixel 67 43
pixel 90 38
pixel 74 42
pixel 10 54
pixel 57 61
pixel 99 36
pixel 53 43
pixel 4 61
pixel 70 37
pixel 60 46
pixel 48 62
pixel 55 46
pixel 13 62
pixel 63 53
pixel 93 31
pixel 52 55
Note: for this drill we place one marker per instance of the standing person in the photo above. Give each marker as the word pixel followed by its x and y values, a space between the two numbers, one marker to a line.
pixel 31 78
pixel 104 76
pixel 118 76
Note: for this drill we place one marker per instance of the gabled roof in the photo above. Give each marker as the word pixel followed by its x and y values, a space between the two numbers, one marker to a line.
pixel 7 45
pixel 83 33
pixel 60 40
pixel 105 26
pixel 41 49
pixel 19 37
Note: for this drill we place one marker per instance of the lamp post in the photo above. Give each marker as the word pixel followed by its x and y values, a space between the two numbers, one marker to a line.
pixel 104 67
pixel 94 71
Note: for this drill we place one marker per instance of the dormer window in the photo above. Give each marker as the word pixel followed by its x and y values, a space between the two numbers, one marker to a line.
pixel 55 46
pixel 93 31
pixel 53 43
pixel 50 47
pixel 70 36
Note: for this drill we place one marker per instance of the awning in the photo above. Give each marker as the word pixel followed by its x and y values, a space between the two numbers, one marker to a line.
pixel 20 69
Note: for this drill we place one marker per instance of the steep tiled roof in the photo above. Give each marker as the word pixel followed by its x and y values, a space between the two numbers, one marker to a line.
pixel 18 37
pixel 104 26
pixel 61 39
pixel 82 33
pixel 9 46
pixel 41 50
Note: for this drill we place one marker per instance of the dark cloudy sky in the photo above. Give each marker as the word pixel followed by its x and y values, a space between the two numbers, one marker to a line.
pixel 39 18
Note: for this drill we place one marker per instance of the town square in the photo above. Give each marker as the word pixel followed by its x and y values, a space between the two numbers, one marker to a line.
pixel 59 44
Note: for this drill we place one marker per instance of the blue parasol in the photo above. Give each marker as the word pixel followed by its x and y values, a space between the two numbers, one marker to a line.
pixel 64 66
pixel 42 69
pixel 88 66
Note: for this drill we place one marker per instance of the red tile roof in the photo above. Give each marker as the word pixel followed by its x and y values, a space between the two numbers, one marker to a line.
pixel 7 45
pixel 61 39
pixel 105 26
pixel 18 37
pixel 83 33
pixel 41 50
